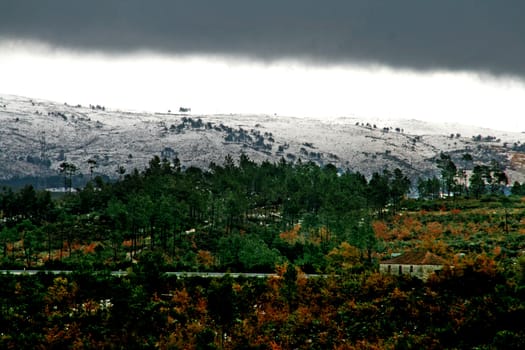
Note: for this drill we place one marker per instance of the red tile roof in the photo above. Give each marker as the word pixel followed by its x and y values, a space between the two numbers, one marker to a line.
pixel 416 258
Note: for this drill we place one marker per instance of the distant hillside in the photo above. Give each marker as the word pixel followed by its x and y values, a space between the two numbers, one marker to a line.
pixel 36 136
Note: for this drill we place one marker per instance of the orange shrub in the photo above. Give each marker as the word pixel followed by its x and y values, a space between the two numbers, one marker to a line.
pixel 291 236
pixel 205 258
pixel 381 230
pixel 413 224
pixel 434 229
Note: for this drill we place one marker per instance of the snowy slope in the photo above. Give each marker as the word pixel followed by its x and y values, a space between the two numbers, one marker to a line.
pixel 36 136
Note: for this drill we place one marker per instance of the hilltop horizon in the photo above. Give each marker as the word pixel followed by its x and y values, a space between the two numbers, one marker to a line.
pixel 40 134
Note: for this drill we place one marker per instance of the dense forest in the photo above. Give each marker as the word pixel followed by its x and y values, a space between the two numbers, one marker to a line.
pixel 321 231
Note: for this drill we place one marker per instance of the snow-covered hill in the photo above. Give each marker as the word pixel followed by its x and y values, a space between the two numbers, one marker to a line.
pixel 36 136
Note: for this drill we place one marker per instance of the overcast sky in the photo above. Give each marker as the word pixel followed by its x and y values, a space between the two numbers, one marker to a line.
pixel 450 60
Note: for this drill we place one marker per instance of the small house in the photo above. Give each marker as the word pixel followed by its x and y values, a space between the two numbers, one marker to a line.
pixel 419 264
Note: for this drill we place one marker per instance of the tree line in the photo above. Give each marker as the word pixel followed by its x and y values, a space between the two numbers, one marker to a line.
pixel 235 204
pixel 483 179
pixel 235 212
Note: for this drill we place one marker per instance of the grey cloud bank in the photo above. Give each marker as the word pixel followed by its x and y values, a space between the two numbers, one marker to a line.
pixel 477 35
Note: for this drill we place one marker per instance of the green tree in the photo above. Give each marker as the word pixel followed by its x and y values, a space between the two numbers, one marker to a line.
pixel 27 201
pixel 163 219
pixel 139 208
pixel 499 178
pixel 517 189
pixel 222 305
pixel 247 253
pixel 429 188
pixel 362 236
pixel 448 172
pixel 30 237
pixel 92 163
pixel 379 191
pixel 289 287
pixel 399 188
pixel 9 236
pixel 477 181
pixel 118 222
pixel 69 170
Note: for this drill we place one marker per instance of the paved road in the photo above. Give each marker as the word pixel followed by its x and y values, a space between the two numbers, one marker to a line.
pixel 33 272
pixel 180 274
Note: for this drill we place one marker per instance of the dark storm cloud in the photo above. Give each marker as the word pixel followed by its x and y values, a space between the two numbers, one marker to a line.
pixel 478 35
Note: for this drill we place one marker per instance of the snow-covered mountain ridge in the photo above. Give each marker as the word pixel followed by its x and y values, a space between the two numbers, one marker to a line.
pixel 36 136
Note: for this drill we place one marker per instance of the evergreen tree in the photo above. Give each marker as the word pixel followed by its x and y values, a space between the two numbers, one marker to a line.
pixel 399 187
pixel 477 181
pixel 448 172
